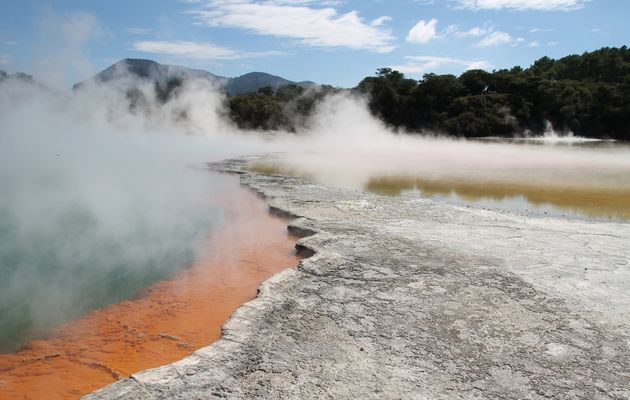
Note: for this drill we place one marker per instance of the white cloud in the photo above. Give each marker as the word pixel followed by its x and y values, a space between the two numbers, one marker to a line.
pixel 491 37
pixel 522 5
pixel 517 41
pixel 424 64
pixel 533 44
pixel 476 31
pixel 380 21
pixel 204 51
pixel 139 31
pixel 298 20
pixel 5 59
pixel 553 43
pixel 496 38
pixel 536 30
pixel 423 32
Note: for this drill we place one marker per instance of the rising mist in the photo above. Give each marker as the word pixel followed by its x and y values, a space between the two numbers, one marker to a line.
pixel 98 201
pixel 101 196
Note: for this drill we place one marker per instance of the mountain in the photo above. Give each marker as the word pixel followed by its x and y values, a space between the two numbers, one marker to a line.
pixel 149 70
pixel 18 75
pixel 162 74
pixel 255 80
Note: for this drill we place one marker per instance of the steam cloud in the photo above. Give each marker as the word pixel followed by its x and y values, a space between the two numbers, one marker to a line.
pixel 99 198
pixel 346 145
pixel 98 201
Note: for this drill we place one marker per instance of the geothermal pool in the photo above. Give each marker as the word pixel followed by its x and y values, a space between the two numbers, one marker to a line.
pixel 570 178
pixel 164 321
pixel 102 289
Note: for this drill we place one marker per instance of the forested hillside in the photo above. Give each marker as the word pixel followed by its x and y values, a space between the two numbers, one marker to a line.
pixel 286 108
pixel 588 95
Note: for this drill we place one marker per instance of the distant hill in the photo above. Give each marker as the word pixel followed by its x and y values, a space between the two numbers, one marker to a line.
pixel 149 70
pixel 255 80
pixel 162 74
pixel 18 75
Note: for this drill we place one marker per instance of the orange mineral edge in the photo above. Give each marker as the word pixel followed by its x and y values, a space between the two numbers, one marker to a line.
pixel 168 321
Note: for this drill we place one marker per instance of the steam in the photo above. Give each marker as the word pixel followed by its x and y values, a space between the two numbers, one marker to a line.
pixel 348 146
pixel 60 53
pixel 99 199
pixel 100 195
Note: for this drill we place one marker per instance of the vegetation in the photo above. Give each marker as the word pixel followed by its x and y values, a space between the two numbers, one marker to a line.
pixel 18 75
pixel 286 108
pixel 587 94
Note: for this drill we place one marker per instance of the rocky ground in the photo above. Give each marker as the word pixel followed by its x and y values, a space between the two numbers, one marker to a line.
pixel 408 298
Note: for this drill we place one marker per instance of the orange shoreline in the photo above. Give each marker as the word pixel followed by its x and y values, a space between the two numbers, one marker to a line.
pixel 169 320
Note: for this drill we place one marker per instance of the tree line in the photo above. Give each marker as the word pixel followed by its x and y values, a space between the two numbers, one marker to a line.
pixel 586 94
pixel 287 108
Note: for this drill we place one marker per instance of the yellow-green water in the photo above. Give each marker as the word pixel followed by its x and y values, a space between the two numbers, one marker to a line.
pixel 587 181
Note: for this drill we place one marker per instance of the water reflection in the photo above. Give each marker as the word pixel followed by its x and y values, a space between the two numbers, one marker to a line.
pixel 578 142
pixel 605 203
pixel 564 178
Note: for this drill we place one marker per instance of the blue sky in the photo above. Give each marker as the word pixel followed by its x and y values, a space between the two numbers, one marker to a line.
pixel 328 41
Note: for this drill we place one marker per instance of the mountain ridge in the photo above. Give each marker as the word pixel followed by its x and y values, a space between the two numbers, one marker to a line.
pixel 152 70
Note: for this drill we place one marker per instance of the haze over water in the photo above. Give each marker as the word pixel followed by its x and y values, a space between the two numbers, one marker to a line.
pixel 543 177
pixel 100 200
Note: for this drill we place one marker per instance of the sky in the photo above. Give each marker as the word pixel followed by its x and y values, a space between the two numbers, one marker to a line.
pixel 337 42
